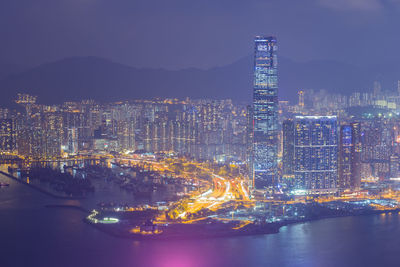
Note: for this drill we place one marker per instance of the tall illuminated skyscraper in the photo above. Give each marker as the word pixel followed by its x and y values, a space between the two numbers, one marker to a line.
pixel 265 112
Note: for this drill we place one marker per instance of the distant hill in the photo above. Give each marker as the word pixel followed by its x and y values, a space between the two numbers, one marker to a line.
pixel 7 69
pixel 103 80
pixel 96 78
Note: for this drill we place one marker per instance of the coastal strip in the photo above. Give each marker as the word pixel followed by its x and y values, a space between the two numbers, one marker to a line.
pixel 39 188
pixel 206 232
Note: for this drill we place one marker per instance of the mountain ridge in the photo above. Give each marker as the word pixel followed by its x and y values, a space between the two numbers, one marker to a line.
pixel 76 78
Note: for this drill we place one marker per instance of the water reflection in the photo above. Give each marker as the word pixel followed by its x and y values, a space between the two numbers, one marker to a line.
pixel 32 235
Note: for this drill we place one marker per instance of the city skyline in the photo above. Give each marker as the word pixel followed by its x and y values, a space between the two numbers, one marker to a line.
pixel 199 134
pixel 168 168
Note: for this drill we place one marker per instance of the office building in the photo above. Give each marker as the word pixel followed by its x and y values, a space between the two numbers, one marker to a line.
pixel 265 112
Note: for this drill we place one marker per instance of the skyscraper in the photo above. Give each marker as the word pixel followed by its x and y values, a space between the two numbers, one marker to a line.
pixel 288 147
pixel 350 156
pixel 315 153
pixel 345 156
pixel 398 87
pixel 7 135
pixel 356 160
pixel 377 88
pixel 301 99
pixel 249 142
pixel 265 112
pixel 377 143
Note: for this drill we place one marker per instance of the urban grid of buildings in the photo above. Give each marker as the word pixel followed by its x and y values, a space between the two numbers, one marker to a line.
pixel 321 144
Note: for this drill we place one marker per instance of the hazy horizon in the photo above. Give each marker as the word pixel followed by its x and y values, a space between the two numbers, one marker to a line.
pixel 183 34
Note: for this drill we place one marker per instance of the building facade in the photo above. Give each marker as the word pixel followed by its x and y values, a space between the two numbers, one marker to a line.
pixel 316 153
pixel 265 112
pixel 350 156
pixel 7 135
pixel 288 147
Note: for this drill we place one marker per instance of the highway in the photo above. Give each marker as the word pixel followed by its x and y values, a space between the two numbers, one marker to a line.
pixel 219 191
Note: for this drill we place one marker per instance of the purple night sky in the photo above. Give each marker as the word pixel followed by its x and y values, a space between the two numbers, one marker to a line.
pixel 178 34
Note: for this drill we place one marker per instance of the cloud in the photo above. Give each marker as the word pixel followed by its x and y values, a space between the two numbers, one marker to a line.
pixel 356 5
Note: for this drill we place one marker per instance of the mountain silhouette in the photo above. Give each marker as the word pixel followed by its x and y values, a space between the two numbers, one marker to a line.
pixel 77 78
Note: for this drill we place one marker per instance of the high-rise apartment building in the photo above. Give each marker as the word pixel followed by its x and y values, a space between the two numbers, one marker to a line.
pixel 315 153
pixel 249 142
pixel 345 156
pixel 377 140
pixel 350 156
pixel 265 112
pixel 288 147
pixel 7 135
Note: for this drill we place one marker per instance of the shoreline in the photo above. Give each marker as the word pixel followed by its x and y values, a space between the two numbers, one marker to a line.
pixel 39 188
pixel 258 230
